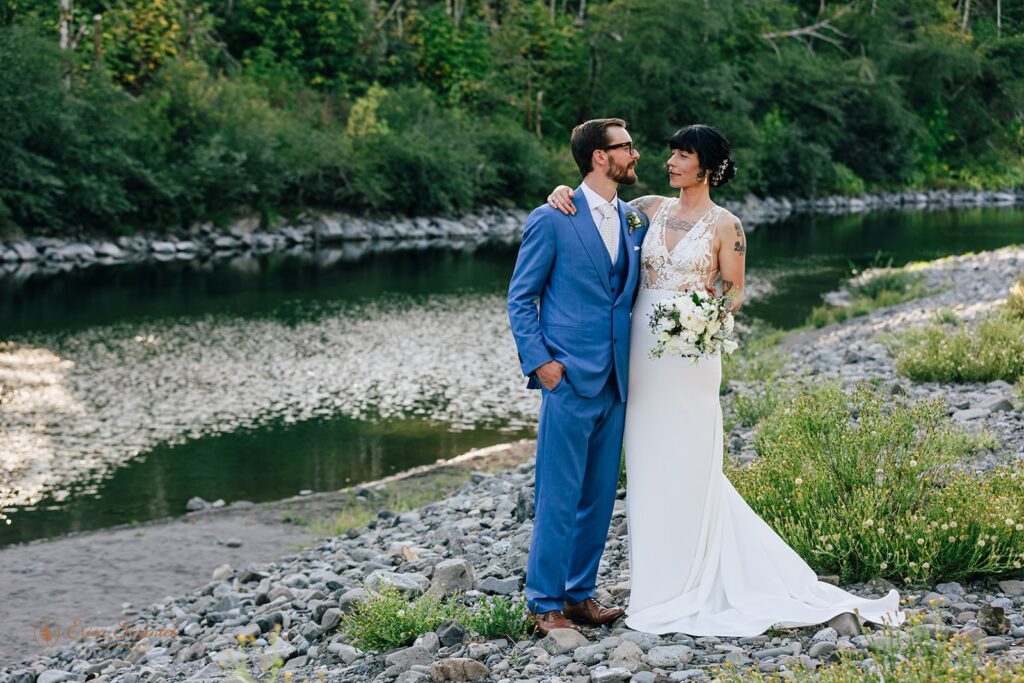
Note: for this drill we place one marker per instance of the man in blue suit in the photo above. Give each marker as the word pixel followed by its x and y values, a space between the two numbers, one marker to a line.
pixel 569 304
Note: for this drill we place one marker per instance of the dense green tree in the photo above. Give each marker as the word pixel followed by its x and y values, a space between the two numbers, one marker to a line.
pixel 196 109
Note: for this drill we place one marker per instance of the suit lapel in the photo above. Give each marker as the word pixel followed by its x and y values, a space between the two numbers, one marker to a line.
pixel 633 258
pixel 586 230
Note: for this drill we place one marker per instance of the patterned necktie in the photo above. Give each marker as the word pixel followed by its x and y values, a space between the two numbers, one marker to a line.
pixel 609 233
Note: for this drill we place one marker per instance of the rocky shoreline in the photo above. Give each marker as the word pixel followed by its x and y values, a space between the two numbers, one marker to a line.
pixel 477 539
pixel 311 233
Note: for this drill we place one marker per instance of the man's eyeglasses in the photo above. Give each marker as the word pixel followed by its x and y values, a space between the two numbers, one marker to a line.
pixel 627 145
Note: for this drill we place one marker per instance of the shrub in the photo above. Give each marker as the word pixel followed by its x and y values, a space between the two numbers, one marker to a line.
pixel 388 620
pixel 1015 299
pixel 913 653
pixel 990 349
pixel 499 617
pixel 753 408
pixel 863 488
pixel 879 290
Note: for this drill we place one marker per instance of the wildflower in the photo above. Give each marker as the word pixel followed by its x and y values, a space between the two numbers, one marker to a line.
pixel 883 566
pixel 920 541
pixel 913 463
pixel 1009 522
pixel 952 539
pixel 1019 527
pixel 869 522
pixel 913 564
pixel 981 541
pixel 400 613
pixel 952 525
pixel 925 565
pixel 798 481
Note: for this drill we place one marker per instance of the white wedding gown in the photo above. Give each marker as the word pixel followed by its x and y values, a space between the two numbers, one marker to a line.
pixel 701 561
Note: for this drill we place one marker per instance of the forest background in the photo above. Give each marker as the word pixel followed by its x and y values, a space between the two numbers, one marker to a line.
pixel 118 115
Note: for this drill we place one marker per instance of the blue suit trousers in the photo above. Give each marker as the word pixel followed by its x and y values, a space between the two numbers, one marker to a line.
pixel 579 447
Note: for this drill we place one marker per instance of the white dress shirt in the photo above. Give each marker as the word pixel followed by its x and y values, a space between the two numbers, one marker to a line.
pixel 596 203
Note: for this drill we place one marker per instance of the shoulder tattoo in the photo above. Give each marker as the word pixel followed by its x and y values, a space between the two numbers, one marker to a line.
pixel 644 203
pixel 740 247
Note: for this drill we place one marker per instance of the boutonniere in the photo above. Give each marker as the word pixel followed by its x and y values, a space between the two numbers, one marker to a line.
pixel 633 221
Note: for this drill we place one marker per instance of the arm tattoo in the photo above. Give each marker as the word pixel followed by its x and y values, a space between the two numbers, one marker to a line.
pixel 727 286
pixel 741 243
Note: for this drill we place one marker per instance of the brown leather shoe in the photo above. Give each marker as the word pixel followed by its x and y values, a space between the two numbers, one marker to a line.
pixel 548 621
pixel 590 611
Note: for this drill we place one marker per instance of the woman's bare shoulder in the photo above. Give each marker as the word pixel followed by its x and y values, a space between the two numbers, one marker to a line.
pixel 648 204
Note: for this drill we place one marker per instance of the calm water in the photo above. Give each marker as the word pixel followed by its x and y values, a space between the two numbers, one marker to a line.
pixel 799 259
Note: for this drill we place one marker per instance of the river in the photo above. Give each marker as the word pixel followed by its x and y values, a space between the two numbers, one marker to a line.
pixel 126 390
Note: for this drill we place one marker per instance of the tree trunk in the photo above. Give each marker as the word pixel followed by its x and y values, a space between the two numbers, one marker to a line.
pixel 582 14
pixel 97 41
pixel 65 24
pixel 999 19
pixel 551 11
pixel 967 16
pixel 537 114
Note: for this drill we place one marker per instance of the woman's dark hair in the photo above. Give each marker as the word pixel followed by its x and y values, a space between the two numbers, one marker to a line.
pixel 587 137
pixel 711 148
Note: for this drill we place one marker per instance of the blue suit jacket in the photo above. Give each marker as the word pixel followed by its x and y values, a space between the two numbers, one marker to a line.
pixel 562 264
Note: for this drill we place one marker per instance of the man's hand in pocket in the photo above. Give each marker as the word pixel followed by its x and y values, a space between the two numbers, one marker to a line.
pixel 550 373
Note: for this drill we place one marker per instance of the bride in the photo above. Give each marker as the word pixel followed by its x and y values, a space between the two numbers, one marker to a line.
pixel 701 561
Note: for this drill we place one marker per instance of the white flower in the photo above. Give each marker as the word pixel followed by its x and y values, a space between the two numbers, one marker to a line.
pixel 729 345
pixel 714 326
pixel 729 323
pixel 868 522
pixel 798 481
pixel 883 566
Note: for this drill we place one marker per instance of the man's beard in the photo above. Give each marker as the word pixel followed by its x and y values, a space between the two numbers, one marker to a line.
pixel 622 174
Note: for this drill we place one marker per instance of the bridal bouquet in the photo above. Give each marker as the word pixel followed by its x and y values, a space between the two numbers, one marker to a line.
pixel 692 325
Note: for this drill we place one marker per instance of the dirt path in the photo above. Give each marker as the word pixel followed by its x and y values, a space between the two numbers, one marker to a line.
pixel 81 581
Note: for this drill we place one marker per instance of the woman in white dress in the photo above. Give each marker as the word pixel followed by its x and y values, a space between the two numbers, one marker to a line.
pixel 701 561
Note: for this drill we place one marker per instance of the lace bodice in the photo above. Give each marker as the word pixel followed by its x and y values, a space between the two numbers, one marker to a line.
pixel 686 264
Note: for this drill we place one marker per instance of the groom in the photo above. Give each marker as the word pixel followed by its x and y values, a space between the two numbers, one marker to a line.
pixel 582 271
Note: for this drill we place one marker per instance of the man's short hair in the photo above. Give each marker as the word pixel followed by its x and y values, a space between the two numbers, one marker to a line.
pixel 589 136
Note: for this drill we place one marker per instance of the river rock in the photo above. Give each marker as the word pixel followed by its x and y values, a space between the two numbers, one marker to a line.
pixel 404 659
pixel 458 669
pixel 669 656
pixel 1012 588
pixel 412 585
pixel 451 577
pixel 562 640
pixel 605 675
pixel 451 633
pixel 993 620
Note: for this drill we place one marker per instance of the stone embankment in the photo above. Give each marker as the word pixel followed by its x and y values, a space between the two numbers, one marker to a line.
pixel 309 232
